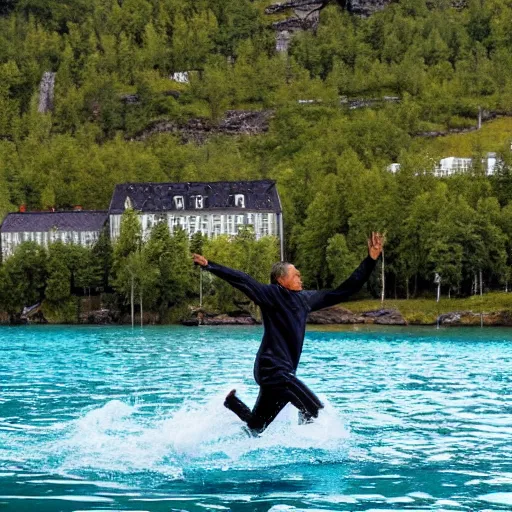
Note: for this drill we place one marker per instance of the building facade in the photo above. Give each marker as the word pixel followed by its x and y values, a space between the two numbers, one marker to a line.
pixel 78 227
pixel 452 165
pixel 213 209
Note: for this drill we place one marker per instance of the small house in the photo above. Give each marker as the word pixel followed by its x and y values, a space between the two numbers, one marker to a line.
pixel 70 227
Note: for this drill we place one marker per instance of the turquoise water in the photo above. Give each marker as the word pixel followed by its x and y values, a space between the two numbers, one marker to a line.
pixel 113 419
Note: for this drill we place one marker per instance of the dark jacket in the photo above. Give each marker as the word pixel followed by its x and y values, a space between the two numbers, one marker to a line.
pixel 285 313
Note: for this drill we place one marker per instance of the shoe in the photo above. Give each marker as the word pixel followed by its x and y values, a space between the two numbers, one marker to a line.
pixel 229 398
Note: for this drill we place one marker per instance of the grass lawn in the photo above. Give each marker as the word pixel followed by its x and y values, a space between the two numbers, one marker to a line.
pixel 494 136
pixel 425 311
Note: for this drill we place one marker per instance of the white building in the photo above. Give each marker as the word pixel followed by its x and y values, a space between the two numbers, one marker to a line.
pixel 78 227
pixel 453 165
pixel 456 165
pixel 181 77
pixel 216 208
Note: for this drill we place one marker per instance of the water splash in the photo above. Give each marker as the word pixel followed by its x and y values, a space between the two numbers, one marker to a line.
pixel 119 437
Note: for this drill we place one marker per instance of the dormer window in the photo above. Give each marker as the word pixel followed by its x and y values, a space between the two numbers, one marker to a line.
pixel 179 204
pixel 239 200
pixel 198 202
pixel 128 205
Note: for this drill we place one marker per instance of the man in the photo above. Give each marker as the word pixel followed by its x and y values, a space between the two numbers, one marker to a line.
pixel 284 309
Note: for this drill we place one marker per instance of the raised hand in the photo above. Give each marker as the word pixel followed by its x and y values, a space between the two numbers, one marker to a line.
pixel 200 260
pixel 375 244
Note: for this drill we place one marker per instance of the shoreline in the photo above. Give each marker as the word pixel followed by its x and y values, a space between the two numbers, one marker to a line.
pixel 491 309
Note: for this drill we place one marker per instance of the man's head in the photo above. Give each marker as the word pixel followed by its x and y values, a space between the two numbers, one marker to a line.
pixel 286 275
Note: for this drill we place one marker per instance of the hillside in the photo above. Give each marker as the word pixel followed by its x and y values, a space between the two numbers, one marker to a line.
pixel 117 115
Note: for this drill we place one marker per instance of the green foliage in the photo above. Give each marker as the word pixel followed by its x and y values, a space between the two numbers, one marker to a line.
pixel 23 278
pixel 113 61
pixel 341 261
pixel 58 284
pixel 245 253
pixel 130 236
pixel 170 256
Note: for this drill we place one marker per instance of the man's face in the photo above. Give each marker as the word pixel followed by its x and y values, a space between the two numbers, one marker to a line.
pixel 292 280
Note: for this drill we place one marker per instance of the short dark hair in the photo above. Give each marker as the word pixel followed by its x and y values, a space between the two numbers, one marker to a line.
pixel 279 269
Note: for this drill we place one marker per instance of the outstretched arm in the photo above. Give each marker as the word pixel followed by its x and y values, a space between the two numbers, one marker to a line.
pixel 256 291
pixel 326 298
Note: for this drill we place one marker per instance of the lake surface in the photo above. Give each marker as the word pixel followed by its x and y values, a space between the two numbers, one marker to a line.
pixel 106 418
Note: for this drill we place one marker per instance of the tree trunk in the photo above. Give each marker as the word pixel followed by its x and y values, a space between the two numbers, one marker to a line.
pixel 481 284
pixel 383 278
pixel 407 288
pixel 141 312
pixel 132 302
pixel 450 292
pixel 200 287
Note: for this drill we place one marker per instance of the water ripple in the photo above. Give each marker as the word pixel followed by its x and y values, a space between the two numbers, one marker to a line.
pixel 114 419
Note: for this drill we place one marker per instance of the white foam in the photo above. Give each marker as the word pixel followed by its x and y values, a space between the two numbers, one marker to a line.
pixel 123 437
pixel 498 498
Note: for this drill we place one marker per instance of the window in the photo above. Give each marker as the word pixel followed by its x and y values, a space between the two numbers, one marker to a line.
pixel 128 203
pixel 239 200
pixel 239 222
pixel 179 204
pixel 198 202
pixel 194 224
pixel 204 224
pixel 231 224
pixel 216 225
pixel 264 225
pixel 175 222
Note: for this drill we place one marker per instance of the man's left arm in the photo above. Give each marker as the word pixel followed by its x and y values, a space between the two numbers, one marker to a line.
pixel 327 298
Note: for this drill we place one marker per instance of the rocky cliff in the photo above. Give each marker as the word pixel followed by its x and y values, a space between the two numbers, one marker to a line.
pixel 306 14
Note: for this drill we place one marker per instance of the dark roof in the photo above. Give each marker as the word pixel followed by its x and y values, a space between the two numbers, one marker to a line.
pixel 158 197
pixel 63 221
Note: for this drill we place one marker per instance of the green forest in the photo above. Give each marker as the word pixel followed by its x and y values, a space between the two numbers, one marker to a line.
pixel 443 63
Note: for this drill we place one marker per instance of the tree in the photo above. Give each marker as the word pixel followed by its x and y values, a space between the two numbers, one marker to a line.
pixel 58 283
pixel 244 253
pixel 341 261
pixel 445 259
pixel 136 278
pixel 23 278
pixel 130 236
pixel 125 267
pixel 102 255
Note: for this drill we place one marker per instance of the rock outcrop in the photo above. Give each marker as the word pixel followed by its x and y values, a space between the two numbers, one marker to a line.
pixel 461 318
pixel 306 14
pixel 328 316
pixel 203 317
pixel 384 317
pixel 334 315
pixel 235 122
pixel 338 315
pixel 46 92
pixel 99 317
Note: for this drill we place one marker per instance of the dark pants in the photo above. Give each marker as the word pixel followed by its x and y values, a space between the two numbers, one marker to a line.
pixel 271 401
